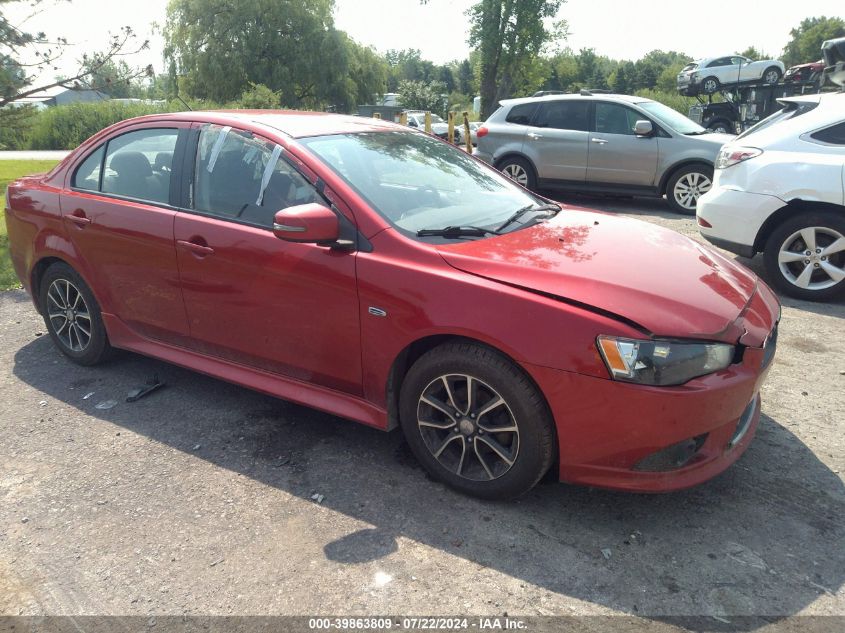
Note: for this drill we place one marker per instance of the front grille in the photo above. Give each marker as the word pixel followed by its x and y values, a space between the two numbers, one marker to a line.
pixel 696 113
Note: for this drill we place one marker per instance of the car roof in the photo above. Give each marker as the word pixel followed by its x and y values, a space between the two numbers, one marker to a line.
pixel 575 96
pixel 293 123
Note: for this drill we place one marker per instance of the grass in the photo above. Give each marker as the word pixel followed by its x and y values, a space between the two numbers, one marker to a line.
pixel 9 171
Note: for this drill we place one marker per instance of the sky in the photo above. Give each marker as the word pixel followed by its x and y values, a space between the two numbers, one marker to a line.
pixel 624 29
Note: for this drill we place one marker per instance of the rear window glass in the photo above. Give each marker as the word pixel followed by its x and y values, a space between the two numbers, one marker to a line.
pixel 521 113
pixel 835 134
pixel 791 111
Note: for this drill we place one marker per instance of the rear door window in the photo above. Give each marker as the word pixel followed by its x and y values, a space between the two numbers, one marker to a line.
pixel 564 115
pixel 139 164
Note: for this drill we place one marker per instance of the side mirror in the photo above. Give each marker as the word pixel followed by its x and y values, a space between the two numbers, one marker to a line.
pixel 643 128
pixel 306 223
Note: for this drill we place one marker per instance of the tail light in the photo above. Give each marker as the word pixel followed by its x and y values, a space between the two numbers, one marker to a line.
pixel 482 131
pixel 729 156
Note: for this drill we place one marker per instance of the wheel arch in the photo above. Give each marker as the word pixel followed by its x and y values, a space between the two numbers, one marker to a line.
pixel 790 209
pixel 515 154
pixel 39 268
pixel 414 350
pixel 674 169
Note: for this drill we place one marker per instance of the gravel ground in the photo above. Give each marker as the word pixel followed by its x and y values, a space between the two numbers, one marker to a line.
pixel 198 500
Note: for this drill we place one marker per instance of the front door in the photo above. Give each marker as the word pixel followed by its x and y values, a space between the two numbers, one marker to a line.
pixel 119 212
pixel 252 298
pixel 617 155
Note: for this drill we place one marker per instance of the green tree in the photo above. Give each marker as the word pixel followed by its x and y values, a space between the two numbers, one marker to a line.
pixel 421 95
pixel 752 53
pixel 259 97
pixel 807 38
pixel 510 35
pixel 290 46
pixel 465 77
pixel 19 77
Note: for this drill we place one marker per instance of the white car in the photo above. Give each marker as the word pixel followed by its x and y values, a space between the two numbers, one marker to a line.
pixel 710 74
pixel 779 189
pixel 439 127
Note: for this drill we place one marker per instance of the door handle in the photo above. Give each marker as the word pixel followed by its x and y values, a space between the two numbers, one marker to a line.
pixel 600 141
pixel 197 249
pixel 532 135
pixel 79 218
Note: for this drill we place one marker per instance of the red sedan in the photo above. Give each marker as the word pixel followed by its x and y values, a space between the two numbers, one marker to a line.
pixel 379 274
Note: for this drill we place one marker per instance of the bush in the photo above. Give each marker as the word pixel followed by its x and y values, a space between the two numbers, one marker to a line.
pixel 15 125
pixel 258 97
pixel 672 99
pixel 66 126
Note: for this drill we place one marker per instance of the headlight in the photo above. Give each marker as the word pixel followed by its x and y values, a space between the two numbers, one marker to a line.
pixel 729 156
pixel 662 363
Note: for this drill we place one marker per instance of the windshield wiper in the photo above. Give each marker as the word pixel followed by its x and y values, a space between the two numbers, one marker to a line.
pixel 457 231
pixel 520 212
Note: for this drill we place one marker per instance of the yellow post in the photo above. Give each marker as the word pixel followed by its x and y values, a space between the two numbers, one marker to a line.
pixel 403 118
pixel 376 115
pixel 451 127
pixel 428 122
pixel 467 133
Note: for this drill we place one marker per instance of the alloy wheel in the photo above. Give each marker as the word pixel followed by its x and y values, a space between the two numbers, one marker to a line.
pixel 69 315
pixel 468 427
pixel 813 258
pixel 516 173
pixel 689 188
pixel 771 77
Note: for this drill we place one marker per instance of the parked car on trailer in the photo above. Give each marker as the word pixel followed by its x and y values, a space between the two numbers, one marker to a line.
pixel 811 73
pixel 604 143
pixel 382 275
pixel 710 74
pixel 439 127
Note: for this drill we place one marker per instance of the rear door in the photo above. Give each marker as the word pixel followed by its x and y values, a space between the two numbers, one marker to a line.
pixel 556 140
pixel 252 298
pixel 119 210
pixel 616 154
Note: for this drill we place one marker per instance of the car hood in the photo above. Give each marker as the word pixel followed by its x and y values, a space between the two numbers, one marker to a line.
pixel 667 284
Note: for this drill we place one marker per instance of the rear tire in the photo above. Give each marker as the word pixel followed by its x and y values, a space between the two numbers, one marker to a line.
pixel 771 75
pixel 686 185
pixel 495 445
pixel 520 171
pixel 721 126
pixel 807 276
pixel 710 85
pixel 72 316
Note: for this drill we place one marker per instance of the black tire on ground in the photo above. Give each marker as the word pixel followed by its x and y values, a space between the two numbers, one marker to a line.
pixel 710 85
pixel 821 286
pixel 59 282
pixel 771 75
pixel 519 170
pixel 531 446
pixel 676 194
pixel 721 126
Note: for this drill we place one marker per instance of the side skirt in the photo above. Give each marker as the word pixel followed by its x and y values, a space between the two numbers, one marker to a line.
pixel 314 396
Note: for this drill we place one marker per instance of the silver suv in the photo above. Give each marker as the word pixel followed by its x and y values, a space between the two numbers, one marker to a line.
pixel 608 143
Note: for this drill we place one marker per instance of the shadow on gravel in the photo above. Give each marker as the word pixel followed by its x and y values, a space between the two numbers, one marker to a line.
pixel 767 537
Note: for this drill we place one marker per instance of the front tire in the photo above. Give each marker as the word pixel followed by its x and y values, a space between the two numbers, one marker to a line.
pixel 805 256
pixel 72 316
pixel 520 171
pixel 476 422
pixel 687 185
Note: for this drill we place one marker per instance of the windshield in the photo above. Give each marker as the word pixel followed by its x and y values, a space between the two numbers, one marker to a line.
pixel 417 182
pixel 689 67
pixel 671 118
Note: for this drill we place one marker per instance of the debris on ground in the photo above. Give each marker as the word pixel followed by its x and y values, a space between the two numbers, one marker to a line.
pixel 606 552
pixel 318 497
pixel 88 395
pixel 139 392
pixel 43 403
pixel 106 404
pixel 197 447
pixel 217 562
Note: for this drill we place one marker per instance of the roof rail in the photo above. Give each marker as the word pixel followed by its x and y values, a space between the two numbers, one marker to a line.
pixel 589 92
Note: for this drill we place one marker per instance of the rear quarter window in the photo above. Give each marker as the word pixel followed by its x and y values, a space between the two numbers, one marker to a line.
pixel 87 175
pixel 833 135
pixel 522 113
